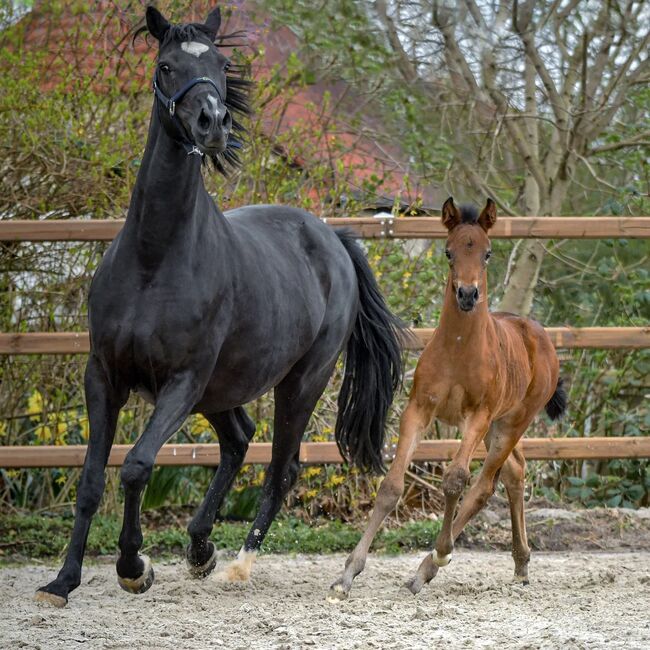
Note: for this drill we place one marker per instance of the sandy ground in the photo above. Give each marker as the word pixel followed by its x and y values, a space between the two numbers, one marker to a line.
pixel 574 600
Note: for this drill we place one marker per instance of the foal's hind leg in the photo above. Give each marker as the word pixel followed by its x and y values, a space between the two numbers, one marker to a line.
pixel 103 407
pixel 235 430
pixel 513 473
pixel 500 445
pixel 295 399
pixel 413 423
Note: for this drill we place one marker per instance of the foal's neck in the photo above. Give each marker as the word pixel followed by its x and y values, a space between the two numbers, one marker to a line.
pixel 464 332
pixel 164 200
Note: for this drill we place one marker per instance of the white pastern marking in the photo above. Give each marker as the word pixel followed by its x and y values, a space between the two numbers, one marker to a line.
pixel 441 561
pixel 194 48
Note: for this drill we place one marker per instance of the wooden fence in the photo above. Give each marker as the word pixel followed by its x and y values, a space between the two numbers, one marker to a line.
pixel 366 227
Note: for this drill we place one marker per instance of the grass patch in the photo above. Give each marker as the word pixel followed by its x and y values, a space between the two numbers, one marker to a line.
pixel 44 536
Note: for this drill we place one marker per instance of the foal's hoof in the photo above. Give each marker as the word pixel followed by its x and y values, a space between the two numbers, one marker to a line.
pixel 203 570
pixel 337 593
pixel 42 596
pixel 521 580
pixel 142 583
pixel 414 585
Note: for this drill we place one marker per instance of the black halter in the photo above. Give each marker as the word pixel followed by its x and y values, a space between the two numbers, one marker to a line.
pixel 170 104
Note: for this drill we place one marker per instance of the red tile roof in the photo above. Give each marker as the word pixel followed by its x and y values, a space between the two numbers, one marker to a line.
pixel 324 110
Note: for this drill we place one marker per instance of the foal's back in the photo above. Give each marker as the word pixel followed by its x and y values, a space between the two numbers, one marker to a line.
pixel 529 367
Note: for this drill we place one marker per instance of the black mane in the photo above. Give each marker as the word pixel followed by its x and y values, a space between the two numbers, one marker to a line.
pixel 469 213
pixel 238 90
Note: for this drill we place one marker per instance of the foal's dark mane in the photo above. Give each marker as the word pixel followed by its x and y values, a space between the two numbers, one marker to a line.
pixel 238 89
pixel 468 213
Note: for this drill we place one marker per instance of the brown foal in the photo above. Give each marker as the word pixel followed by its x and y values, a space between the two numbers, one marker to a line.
pixel 487 373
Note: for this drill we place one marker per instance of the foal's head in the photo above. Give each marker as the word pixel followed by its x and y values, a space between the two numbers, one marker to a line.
pixel 468 249
pixel 196 87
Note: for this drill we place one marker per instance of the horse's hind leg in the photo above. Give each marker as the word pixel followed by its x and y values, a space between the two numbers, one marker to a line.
pixel 235 430
pixel 413 423
pixel 295 399
pixel 103 408
pixel 513 473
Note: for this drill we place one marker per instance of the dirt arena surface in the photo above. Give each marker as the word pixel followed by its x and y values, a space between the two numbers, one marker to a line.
pixel 574 600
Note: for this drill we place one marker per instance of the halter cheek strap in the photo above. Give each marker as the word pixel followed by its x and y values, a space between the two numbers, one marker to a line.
pixel 170 104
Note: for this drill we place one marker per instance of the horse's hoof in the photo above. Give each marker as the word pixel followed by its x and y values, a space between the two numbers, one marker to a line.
pixel 142 583
pixel 521 580
pixel 42 596
pixel 203 570
pixel 414 586
pixel 337 593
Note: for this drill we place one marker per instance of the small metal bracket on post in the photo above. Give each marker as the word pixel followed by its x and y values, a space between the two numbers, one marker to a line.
pixel 386 221
pixel 387 228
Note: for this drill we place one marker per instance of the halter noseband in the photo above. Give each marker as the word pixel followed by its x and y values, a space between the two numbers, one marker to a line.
pixel 170 104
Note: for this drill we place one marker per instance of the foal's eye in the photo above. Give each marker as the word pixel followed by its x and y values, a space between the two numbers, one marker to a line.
pixel 164 68
pixel 226 66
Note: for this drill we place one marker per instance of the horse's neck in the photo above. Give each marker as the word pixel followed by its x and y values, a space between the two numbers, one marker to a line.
pixel 464 333
pixel 164 201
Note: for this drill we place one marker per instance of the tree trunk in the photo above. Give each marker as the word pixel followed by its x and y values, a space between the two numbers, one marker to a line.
pixel 518 296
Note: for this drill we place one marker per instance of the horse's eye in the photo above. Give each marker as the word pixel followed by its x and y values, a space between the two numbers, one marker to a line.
pixel 226 66
pixel 488 255
pixel 448 254
pixel 164 68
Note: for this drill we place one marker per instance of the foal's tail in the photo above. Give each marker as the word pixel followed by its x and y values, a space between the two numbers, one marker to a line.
pixel 373 369
pixel 557 404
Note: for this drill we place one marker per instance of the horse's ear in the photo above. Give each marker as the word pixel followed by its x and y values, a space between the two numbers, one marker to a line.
pixel 213 21
pixel 450 214
pixel 488 217
pixel 157 24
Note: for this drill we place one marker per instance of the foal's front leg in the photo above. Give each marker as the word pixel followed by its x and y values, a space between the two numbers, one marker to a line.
pixel 453 483
pixel 173 405
pixel 413 423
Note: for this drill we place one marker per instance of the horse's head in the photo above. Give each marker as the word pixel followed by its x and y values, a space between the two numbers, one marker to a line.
pixel 468 249
pixel 195 92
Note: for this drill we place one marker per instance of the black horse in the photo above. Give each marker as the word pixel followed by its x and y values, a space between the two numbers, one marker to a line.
pixel 199 311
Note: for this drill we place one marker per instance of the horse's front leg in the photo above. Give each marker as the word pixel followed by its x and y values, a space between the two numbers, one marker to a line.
pixel 453 483
pixel 173 404
pixel 103 403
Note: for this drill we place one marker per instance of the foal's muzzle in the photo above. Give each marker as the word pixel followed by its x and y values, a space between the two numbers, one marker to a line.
pixel 467 297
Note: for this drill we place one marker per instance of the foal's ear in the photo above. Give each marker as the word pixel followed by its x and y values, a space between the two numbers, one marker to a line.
pixel 488 217
pixel 213 21
pixel 157 24
pixel 450 214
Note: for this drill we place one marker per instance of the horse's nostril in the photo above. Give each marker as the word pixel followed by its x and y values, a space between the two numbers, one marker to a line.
pixel 227 121
pixel 204 121
pixel 475 293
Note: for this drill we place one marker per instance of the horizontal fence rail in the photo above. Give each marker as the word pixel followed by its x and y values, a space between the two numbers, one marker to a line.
pixel 326 452
pixel 318 453
pixel 366 227
pixel 562 337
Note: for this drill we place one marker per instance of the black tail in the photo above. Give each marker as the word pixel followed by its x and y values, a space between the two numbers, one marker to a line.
pixel 373 369
pixel 557 404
